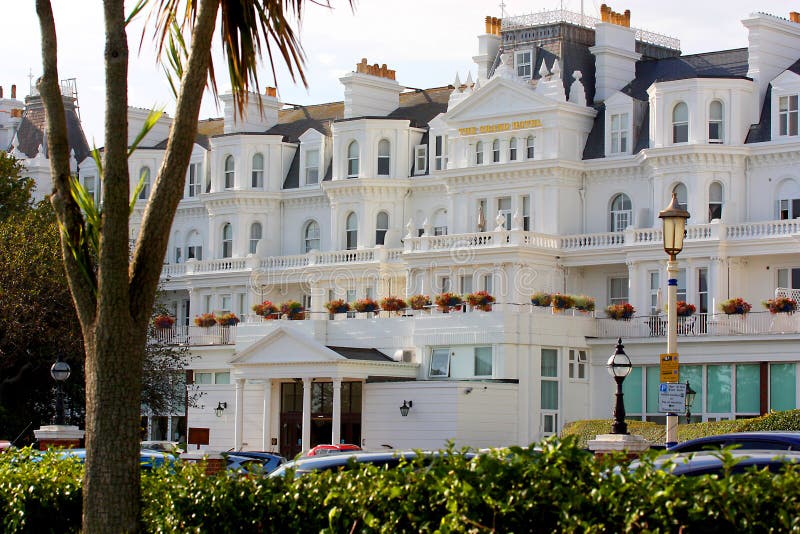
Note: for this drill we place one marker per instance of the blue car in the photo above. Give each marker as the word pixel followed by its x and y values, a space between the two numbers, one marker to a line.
pixel 269 461
pixel 775 441
pixel 710 462
pixel 148 459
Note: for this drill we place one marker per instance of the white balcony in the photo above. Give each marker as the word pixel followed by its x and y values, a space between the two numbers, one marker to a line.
pixel 702 325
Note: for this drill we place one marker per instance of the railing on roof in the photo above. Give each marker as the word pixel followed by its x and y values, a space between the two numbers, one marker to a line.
pixel 579 19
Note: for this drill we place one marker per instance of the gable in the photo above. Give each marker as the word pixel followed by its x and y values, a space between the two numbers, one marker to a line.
pixel 618 99
pixel 786 81
pixel 497 98
pixel 284 345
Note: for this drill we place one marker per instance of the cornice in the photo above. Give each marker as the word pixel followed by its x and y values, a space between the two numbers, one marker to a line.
pixel 355 188
pixel 240 198
pixel 788 155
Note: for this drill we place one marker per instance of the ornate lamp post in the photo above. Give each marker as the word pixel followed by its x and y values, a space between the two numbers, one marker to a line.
pixel 674 220
pixel 619 366
pixel 60 371
pixel 690 394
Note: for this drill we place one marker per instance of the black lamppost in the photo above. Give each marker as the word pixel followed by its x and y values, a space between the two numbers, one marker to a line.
pixel 60 371
pixel 689 400
pixel 619 366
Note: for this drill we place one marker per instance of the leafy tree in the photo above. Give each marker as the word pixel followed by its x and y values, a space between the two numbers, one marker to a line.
pixel 15 189
pixel 114 293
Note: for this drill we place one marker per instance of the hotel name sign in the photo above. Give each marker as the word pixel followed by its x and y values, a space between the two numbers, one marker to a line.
pixel 500 127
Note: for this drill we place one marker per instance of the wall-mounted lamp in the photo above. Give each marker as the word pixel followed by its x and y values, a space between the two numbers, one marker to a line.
pixel 220 408
pixel 405 407
pixel 467 391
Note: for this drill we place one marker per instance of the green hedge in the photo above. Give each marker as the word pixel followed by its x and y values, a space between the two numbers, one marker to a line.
pixel 655 433
pixel 508 490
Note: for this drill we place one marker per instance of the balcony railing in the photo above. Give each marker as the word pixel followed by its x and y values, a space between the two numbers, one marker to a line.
pixel 196 335
pixel 702 324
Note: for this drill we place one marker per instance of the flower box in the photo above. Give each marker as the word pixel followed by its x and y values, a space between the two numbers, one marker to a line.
pixel 540 298
pixel 780 305
pixel 393 304
pixel 620 312
pixel 293 310
pixel 481 300
pixel 419 302
pixel 448 301
pixel 684 309
pixel 583 303
pixel 735 306
pixel 267 310
pixel 337 306
pixel 205 320
pixel 227 319
pixel 366 305
pixel 163 321
pixel 561 302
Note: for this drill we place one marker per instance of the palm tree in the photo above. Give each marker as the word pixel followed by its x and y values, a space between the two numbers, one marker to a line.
pixel 113 292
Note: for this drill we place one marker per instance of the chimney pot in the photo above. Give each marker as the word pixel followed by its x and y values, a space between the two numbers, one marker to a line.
pixel 13 91
pixel 794 16
pixel 488 21
pixel 1 91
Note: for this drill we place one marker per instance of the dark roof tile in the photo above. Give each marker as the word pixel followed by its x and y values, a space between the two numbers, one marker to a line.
pixel 358 353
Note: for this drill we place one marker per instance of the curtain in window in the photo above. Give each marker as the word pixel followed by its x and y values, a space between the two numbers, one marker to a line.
pixel 719 382
pixel 782 386
pixel 748 387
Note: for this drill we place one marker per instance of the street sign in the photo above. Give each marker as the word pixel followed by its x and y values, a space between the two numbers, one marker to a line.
pixel 669 368
pixel 672 397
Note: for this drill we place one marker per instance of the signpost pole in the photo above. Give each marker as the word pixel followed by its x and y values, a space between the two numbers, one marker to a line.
pixel 672 338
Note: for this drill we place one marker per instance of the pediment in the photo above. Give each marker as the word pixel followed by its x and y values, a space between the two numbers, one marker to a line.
pixel 285 345
pixel 618 99
pixel 499 97
pixel 786 80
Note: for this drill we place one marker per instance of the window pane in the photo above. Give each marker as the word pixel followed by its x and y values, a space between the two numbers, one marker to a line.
pixel 483 361
pixel 653 376
pixel 782 386
pixel 222 378
pixel 748 384
pixel 694 375
pixel 440 362
pixel 632 391
pixel 549 395
pixel 719 388
pixel 550 362
pixel 202 378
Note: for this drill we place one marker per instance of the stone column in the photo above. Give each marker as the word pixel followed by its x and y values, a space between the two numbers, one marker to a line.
pixel 336 431
pixel 717 282
pixel 266 420
pixel 239 414
pixel 306 439
pixel 318 296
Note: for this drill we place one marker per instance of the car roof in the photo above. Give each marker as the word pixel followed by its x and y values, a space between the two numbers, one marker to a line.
pixel 688 462
pixel 771 435
pixel 316 463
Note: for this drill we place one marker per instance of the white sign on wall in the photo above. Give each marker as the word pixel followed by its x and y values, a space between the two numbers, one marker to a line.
pixel 672 397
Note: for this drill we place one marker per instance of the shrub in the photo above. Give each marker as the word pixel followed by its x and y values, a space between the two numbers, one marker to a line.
pixel 735 306
pixel 561 302
pixel 266 309
pixel 419 302
pixel 583 303
pixel 366 305
pixel 683 309
pixel 163 321
pixel 338 306
pixel 481 300
pixel 393 304
pixel 620 311
pixel 293 310
pixel 205 320
pixel 448 301
pixel 227 319
pixel 780 305
pixel 540 298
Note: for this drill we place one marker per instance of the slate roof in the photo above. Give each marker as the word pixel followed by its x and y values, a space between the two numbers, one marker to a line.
pixel 762 131
pixel 31 128
pixel 200 139
pixel 358 353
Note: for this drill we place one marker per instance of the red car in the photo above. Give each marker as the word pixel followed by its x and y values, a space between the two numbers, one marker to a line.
pixel 321 450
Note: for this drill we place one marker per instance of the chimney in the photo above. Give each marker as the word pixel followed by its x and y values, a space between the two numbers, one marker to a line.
pixel 488 46
pixel 772 47
pixel 614 52
pixel 1 91
pixel 13 91
pixel 370 91
pixel 253 119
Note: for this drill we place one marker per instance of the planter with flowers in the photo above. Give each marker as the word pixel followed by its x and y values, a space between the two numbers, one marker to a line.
pixel 449 301
pixel 227 319
pixel 620 312
pixel 393 304
pixel 684 309
pixel 561 302
pixel 163 322
pixel 583 303
pixel 780 305
pixel 481 300
pixel 293 310
pixel 542 299
pixel 736 306
pixel 267 310
pixel 366 305
pixel 337 306
pixel 419 302
pixel 205 320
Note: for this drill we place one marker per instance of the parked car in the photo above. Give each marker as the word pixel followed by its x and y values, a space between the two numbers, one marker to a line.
pixel 389 459
pixel 711 463
pixel 265 462
pixel 162 446
pixel 148 459
pixel 322 450
pixel 779 441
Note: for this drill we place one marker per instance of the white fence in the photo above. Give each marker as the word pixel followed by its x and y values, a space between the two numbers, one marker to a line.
pixel 702 324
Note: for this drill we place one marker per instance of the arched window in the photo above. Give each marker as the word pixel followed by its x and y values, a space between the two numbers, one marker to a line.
pixel 144 177
pixel 715 124
pixel 512 149
pixel 227 241
pixel 620 212
pixel 311 237
pixel 680 192
pixel 479 153
pixel 258 171
pixel 680 123
pixel 352 160
pixel 381 227
pixel 496 151
pixel 714 201
pixel 789 200
pixel 383 158
pixel 255 236
pixel 351 232
pixel 529 147
pixel 229 172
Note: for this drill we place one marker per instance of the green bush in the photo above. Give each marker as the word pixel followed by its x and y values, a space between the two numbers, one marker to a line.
pixel 560 488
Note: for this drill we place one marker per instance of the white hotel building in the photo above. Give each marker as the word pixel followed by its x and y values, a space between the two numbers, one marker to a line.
pixel 574 134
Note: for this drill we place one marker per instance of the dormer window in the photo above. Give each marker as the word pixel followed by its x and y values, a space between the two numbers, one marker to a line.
pixel 312 167
pixel 352 160
pixel 420 159
pixel 619 133
pixel 715 129
pixel 680 123
pixel 441 152
pixel 384 158
pixel 787 115
pixel 194 179
pixel 523 60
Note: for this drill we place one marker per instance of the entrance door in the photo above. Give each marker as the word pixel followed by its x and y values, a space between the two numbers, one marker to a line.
pixel 291 434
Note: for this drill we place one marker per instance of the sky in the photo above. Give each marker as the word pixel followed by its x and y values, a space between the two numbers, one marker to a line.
pixel 426 41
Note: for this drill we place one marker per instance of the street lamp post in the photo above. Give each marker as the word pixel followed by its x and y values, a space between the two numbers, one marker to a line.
pixel 60 371
pixel 690 394
pixel 674 221
pixel 619 366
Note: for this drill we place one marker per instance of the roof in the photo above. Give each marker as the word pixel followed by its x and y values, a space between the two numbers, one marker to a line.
pixel 762 130
pixel 31 128
pixel 362 354
pixel 422 105
pixel 200 139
